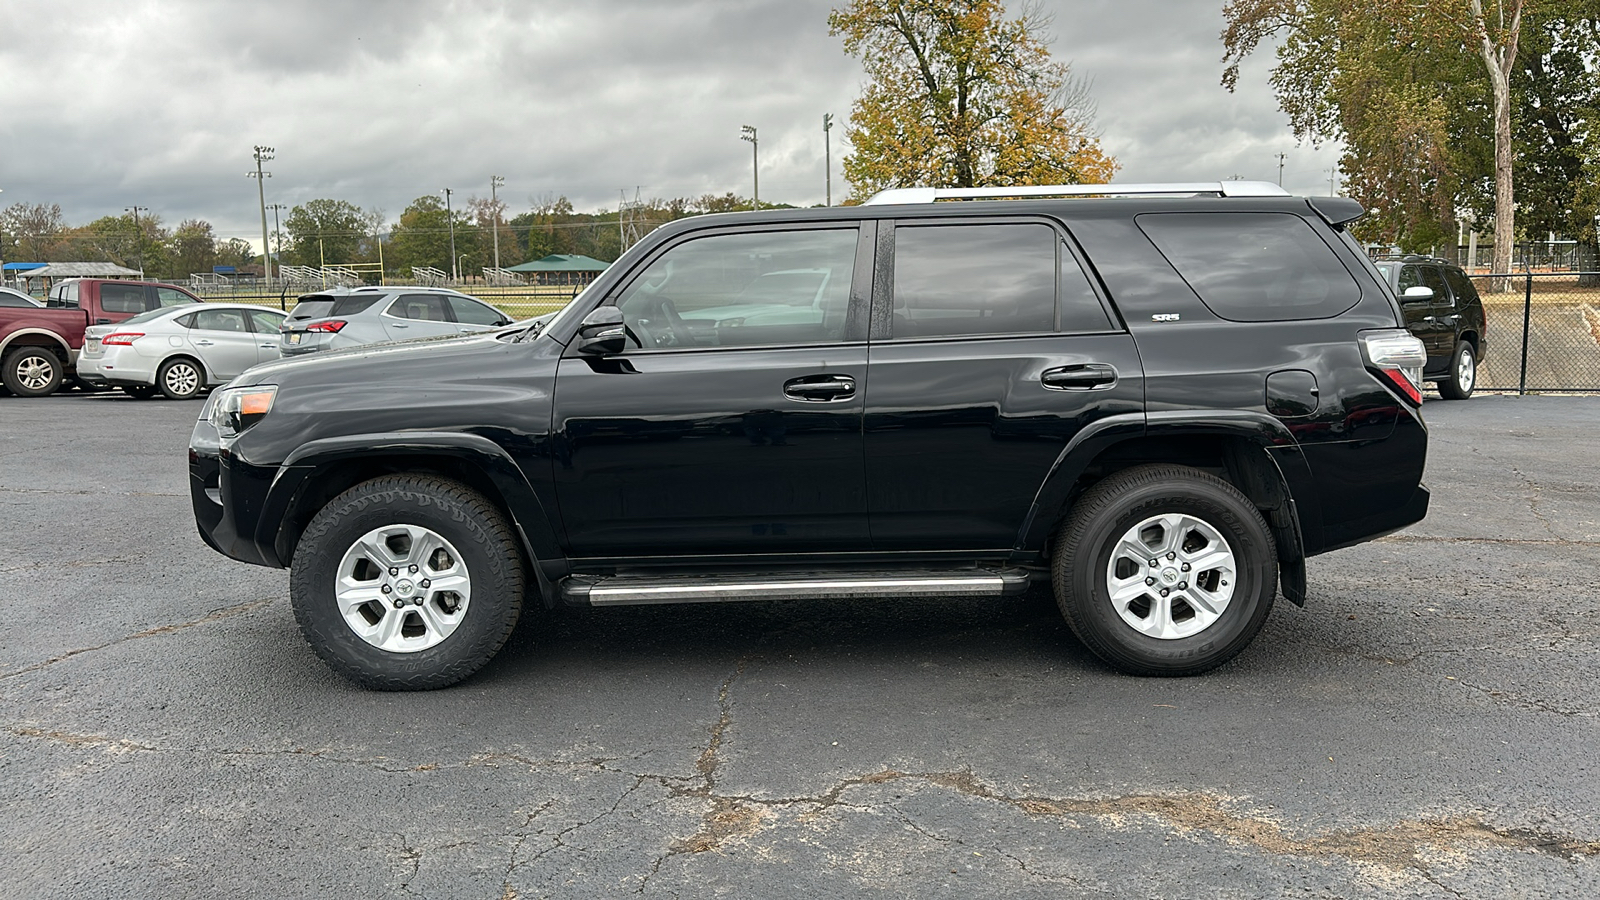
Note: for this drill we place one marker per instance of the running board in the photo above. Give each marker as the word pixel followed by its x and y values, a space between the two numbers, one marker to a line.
pixel 632 590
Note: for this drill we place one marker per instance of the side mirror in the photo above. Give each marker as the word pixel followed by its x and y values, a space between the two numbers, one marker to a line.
pixel 1418 294
pixel 602 332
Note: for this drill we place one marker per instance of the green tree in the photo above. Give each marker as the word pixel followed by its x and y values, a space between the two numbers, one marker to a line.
pixel 334 232
pixel 34 229
pixel 193 247
pixel 958 95
pixel 422 236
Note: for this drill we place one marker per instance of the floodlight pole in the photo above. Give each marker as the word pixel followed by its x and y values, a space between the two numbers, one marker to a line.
pixel 138 233
pixel 827 154
pixel 262 154
pixel 450 218
pixel 277 230
pixel 1281 158
pixel 748 133
pixel 494 207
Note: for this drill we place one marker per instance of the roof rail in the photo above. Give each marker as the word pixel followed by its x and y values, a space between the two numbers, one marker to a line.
pixel 1217 188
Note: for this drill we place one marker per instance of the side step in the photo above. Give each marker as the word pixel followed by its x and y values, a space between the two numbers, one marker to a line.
pixel 631 590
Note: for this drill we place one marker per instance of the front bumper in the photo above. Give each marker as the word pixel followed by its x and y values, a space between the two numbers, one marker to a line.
pixel 237 506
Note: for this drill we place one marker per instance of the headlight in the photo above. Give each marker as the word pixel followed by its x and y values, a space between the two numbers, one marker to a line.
pixel 235 409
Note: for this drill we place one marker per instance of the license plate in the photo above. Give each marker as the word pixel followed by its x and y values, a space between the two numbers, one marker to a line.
pixel 294 337
pixel 93 346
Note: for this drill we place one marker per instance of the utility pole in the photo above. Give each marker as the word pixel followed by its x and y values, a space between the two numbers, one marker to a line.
pixel 748 133
pixel 139 233
pixel 450 218
pixel 262 155
pixel 277 232
pixel 1281 158
pixel 494 205
pixel 1333 182
pixel 827 154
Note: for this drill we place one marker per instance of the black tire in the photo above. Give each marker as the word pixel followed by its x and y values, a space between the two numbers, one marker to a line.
pixel 1459 382
pixel 181 378
pixel 472 526
pixel 32 371
pixel 1083 555
pixel 139 391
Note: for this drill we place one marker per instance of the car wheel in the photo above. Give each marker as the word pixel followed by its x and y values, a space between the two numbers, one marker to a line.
pixel 407 582
pixel 139 391
pixel 1463 375
pixel 32 372
pixel 1164 570
pixel 180 378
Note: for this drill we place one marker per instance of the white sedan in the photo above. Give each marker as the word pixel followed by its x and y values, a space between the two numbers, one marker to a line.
pixel 179 350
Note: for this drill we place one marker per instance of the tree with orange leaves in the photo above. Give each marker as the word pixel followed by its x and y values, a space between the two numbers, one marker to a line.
pixel 959 95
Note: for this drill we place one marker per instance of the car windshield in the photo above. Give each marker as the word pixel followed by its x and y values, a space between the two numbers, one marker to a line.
pixel 148 316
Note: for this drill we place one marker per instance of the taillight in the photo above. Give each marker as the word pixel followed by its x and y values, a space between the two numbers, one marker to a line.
pixel 327 326
pixel 1396 357
pixel 122 338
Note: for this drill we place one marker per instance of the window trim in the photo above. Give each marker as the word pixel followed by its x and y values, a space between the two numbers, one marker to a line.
pixel 883 291
pixel 857 308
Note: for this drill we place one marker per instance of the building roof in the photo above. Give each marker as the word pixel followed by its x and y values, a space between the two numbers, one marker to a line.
pixel 21 267
pixel 81 270
pixel 563 262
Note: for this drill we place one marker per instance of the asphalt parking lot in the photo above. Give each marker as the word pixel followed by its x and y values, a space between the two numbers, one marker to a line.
pixel 1425 727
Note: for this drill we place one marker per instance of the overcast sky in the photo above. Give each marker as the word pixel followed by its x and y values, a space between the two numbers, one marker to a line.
pixel 105 104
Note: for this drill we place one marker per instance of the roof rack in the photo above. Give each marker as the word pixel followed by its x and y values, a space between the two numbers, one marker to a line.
pixel 1215 188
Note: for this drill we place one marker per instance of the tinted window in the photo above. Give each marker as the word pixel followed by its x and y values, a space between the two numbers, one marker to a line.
pixel 171 297
pixel 122 298
pixel 7 298
pixel 1461 286
pixel 152 315
pixel 320 306
pixel 471 312
pixel 1254 267
pixel 974 279
pixel 220 320
pixel 263 321
pixel 1431 278
pixel 741 290
pixel 426 307
pixel 1409 278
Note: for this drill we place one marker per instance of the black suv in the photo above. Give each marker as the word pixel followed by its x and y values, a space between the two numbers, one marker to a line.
pixel 1442 308
pixel 1161 399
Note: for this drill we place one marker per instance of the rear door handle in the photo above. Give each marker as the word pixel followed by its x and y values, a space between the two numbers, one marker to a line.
pixel 1085 377
pixel 820 388
pixel 202 343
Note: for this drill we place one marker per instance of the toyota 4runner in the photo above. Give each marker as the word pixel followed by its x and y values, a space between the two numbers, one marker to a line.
pixel 1159 398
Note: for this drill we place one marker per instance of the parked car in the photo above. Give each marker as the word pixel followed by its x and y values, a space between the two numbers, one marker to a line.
pixel 330 320
pixel 180 351
pixel 1443 309
pixel 15 298
pixel 39 346
pixel 1159 399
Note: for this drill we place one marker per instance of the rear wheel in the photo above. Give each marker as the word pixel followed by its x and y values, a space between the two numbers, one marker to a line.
pixel 407 582
pixel 139 391
pixel 32 371
pixel 1165 570
pixel 1463 375
pixel 180 378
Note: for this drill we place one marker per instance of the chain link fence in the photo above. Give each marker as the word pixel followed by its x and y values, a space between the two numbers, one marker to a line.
pixel 516 301
pixel 1542 332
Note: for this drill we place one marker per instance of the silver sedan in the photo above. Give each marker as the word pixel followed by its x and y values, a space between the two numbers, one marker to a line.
pixel 180 350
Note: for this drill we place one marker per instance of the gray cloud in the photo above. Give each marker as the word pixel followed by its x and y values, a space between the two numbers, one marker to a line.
pixel 107 103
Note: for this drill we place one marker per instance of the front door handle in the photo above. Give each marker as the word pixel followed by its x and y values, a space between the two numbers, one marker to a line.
pixel 820 388
pixel 1085 377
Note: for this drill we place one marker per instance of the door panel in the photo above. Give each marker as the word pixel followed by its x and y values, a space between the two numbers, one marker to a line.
pixel 711 452
pixel 224 342
pixel 961 472
pixel 418 315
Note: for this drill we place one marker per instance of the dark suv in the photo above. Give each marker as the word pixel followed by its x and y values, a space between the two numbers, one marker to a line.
pixel 1442 308
pixel 1161 399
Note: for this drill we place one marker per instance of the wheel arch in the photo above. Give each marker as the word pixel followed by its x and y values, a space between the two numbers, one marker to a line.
pixel 1248 450
pixel 37 337
pixel 321 470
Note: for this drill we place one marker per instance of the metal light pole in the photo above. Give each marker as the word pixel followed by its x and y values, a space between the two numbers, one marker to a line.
pixel 450 218
pixel 139 233
pixel 1281 158
pixel 494 206
pixel 277 231
pixel 748 133
pixel 262 155
pixel 827 153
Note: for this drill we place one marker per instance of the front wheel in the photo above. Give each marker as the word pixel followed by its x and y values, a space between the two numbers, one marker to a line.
pixel 32 372
pixel 1463 375
pixel 407 582
pixel 1164 570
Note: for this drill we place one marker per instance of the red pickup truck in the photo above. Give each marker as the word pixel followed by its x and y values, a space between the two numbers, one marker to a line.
pixel 39 346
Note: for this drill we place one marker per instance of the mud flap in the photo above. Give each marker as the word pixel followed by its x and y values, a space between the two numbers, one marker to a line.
pixel 1292 580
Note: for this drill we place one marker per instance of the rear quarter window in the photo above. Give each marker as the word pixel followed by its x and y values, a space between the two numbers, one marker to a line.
pixel 1254 267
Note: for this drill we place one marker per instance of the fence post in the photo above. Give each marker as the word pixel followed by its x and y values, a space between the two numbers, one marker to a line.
pixel 1527 314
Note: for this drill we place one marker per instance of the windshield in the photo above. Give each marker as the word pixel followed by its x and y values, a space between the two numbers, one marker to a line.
pixel 148 316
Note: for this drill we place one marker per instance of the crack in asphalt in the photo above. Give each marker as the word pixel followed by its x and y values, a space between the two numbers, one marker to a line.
pixel 83 493
pixel 226 612
pixel 1513 542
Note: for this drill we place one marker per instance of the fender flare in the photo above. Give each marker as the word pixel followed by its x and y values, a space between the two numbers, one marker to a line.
pixel 67 353
pixel 299 470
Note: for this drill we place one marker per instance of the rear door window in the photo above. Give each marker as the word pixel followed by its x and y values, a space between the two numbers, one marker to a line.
pixel 960 280
pixel 220 320
pixel 1461 287
pixel 1254 267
